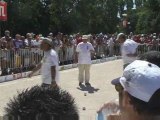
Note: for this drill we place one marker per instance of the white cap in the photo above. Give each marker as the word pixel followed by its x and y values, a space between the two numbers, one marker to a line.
pixel 48 41
pixel 119 35
pixel 141 79
pixel 85 37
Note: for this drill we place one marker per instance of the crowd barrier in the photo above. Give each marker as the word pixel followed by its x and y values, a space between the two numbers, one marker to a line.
pixel 16 63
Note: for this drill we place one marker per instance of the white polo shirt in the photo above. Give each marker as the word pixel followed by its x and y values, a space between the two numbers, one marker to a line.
pixel 50 59
pixel 128 47
pixel 84 56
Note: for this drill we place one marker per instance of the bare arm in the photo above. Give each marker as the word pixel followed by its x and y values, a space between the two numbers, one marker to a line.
pixel 53 76
pixel 53 73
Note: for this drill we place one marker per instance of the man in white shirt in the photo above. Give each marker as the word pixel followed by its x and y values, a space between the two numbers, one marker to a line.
pixel 84 50
pixel 128 49
pixel 49 64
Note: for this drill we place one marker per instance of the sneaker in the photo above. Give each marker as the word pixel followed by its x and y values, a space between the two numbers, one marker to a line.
pixel 87 84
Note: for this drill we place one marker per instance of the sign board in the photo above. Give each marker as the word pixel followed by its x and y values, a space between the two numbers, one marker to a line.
pixel 3 11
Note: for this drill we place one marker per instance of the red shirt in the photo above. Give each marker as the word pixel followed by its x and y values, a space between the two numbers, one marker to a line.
pixel 78 40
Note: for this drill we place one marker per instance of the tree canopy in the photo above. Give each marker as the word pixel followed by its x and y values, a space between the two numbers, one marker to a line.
pixel 85 16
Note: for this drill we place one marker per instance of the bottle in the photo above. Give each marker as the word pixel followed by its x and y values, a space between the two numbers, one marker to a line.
pixel 100 116
pixel 111 107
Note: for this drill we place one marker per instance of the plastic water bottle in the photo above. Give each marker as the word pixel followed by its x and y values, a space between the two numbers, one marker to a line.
pixel 100 116
pixel 108 111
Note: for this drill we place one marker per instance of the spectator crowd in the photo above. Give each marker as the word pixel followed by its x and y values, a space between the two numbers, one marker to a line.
pixel 22 53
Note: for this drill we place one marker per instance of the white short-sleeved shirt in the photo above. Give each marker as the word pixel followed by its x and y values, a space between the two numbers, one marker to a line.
pixel 50 59
pixel 128 47
pixel 84 56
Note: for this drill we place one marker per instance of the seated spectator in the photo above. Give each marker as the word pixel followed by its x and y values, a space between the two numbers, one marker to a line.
pixel 141 92
pixel 43 103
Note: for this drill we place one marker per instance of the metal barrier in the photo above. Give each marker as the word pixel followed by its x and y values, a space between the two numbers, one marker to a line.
pixel 23 60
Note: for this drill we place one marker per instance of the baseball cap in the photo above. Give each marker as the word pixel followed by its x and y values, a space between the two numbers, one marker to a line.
pixel 141 79
pixel 85 37
pixel 48 41
pixel 120 35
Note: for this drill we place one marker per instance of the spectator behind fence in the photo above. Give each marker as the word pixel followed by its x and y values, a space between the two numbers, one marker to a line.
pixel 7 52
pixel 40 103
pixel 18 43
pixel 128 49
pixel 29 40
pixel 141 92
pixel 57 44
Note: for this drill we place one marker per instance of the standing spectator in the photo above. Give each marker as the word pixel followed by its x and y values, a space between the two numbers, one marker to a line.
pixel 29 41
pixel 23 41
pixel 49 65
pixel 29 53
pixel 154 45
pixel 70 51
pixel 78 38
pixel 100 46
pixel 36 42
pixel 84 50
pixel 128 49
pixel 18 43
pixel 57 44
pixel 7 53
pixel 111 46
pixel 65 43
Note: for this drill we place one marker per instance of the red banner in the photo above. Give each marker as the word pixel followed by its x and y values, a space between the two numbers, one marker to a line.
pixel 3 11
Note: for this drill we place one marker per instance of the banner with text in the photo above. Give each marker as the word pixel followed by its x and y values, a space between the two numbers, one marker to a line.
pixel 3 11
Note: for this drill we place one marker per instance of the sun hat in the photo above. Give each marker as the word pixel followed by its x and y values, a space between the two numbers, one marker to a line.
pixel 140 79
pixel 48 41
pixel 120 35
pixel 85 37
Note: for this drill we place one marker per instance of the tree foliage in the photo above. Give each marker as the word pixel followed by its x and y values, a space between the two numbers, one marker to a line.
pixel 85 16
pixel 68 16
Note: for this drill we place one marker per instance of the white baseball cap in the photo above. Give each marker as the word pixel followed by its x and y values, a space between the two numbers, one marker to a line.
pixel 48 41
pixel 85 37
pixel 140 79
pixel 119 35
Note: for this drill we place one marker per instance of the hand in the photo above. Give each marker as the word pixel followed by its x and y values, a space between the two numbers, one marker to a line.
pixel 112 106
pixel 114 117
pixel 30 74
pixel 53 84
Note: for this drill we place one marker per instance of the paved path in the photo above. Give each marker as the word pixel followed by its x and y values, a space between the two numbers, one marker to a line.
pixel 100 92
